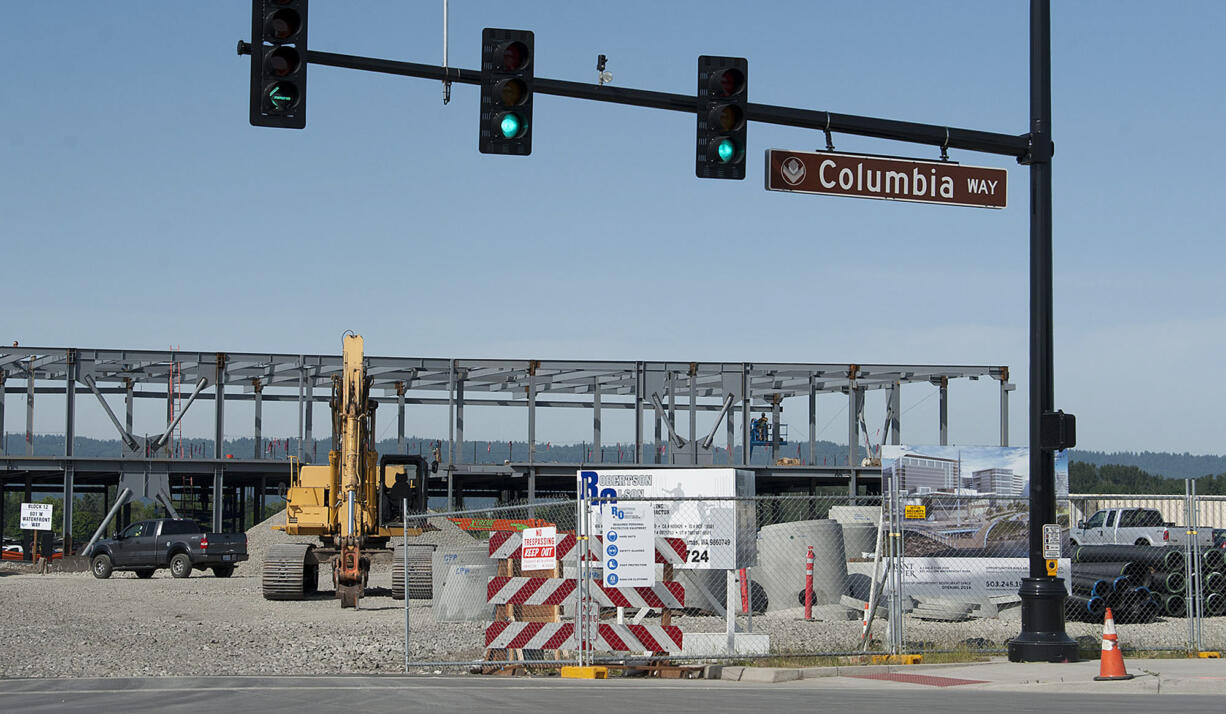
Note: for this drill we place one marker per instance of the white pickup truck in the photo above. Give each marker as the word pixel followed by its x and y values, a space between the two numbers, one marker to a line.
pixel 1132 526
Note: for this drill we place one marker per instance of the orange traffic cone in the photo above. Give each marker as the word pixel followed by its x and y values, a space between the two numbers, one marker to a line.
pixel 1111 666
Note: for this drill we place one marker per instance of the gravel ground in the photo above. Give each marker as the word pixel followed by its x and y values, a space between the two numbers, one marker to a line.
pixel 71 625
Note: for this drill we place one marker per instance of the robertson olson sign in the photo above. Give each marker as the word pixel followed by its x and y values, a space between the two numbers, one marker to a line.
pixel 865 176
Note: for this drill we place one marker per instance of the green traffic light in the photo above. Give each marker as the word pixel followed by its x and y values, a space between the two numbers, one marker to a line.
pixel 726 150
pixel 511 125
pixel 282 96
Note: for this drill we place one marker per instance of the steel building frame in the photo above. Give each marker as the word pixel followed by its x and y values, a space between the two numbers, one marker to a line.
pixel 303 379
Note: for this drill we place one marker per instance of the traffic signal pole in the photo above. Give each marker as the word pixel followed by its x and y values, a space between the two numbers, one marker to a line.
pixel 1043 637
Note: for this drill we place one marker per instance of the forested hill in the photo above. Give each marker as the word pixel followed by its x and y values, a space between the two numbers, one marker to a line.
pixel 1158 463
pixel 1088 478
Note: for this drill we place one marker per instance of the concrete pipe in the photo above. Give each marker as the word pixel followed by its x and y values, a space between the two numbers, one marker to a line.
pixel 781 562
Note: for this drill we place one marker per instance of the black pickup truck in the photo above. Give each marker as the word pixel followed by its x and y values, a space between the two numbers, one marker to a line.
pixel 173 543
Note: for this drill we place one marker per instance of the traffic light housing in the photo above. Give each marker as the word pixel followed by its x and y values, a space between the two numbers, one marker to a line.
pixel 278 63
pixel 723 84
pixel 506 92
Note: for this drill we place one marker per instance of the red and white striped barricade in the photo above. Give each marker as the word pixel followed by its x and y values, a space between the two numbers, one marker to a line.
pixel 554 591
pixel 508 590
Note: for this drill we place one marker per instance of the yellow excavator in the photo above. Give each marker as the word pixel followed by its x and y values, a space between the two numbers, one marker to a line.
pixel 353 506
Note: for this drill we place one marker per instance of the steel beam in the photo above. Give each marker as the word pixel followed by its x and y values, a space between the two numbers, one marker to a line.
pixel 127 437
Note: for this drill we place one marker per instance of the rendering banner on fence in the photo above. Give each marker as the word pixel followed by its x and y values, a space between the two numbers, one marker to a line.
pixel 972 503
pixel 719 534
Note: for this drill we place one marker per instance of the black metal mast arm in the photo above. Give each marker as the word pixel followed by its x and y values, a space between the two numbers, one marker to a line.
pixel 932 134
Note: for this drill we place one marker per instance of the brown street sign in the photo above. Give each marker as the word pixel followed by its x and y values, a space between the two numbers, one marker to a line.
pixel 867 176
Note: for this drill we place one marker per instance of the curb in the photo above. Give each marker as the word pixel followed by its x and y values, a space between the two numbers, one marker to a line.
pixel 788 674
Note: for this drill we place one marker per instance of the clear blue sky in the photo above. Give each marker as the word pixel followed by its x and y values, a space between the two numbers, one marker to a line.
pixel 138 207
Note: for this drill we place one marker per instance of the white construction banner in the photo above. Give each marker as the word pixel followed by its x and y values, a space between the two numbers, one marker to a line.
pixel 629 548
pixel 36 516
pixel 540 548
pixel 970 578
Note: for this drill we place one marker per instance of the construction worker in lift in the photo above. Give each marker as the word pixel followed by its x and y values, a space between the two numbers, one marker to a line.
pixel 763 428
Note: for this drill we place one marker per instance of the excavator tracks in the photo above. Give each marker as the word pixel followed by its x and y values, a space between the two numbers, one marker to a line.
pixel 420 581
pixel 291 572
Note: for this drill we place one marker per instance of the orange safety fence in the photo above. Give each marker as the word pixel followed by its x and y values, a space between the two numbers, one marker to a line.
pixel 499 524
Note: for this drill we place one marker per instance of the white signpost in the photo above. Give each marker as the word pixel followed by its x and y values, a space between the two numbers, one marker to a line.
pixel 36 516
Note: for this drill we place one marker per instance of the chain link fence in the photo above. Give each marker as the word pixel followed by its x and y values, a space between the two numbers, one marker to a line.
pixel 787 576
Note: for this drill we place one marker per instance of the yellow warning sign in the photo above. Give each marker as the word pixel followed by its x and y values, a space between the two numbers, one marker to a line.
pixel 920 512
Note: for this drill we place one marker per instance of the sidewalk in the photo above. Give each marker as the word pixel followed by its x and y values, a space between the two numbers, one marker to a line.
pixel 1153 676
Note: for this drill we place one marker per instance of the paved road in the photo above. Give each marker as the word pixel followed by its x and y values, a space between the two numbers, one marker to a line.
pixel 438 695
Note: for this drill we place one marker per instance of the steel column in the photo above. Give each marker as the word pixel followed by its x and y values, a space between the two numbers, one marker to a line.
pixel 672 408
pixel 450 420
pixel 400 418
pixel 595 422
pixel 855 403
pixel 459 417
pixel 944 411
pixel 532 416
pixel 812 419
pixel 168 446
pixel 301 412
pixel 309 420
pixel 30 410
pixel 640 386
pixel 1005 388
pixel 774 428
pixel 693 416
pixel 70 434
pixel 746 400
pixel 127 407
pixel 219 438
pixel 258 386
pixel 3 435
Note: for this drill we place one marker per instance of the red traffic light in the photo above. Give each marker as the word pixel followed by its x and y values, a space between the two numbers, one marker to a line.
pixel 514 56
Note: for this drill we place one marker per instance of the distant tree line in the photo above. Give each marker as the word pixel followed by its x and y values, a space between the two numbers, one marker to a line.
pixel 1116 478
